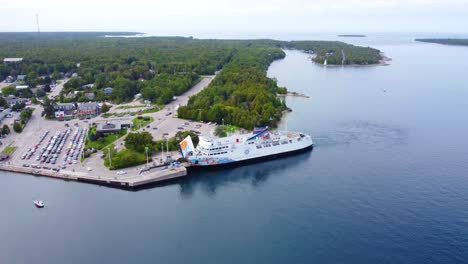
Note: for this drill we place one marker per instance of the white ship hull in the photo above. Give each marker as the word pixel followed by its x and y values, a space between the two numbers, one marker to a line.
pixel 245 148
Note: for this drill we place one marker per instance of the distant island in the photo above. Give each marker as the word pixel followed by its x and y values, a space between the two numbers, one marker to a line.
pixel 352 36
pixel 446 41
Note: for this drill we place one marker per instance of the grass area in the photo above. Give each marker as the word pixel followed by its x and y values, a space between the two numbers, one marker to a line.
pixel 222 131
pixel 123 159
pixel 154 109
pixel 141 121
pixel 9 150
pixel 104 141
pixel 130 106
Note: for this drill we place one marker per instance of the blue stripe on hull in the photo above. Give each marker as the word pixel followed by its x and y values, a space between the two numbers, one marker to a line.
pixel 250 161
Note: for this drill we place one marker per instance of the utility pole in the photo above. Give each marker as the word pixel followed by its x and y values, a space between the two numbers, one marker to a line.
pixel 37 23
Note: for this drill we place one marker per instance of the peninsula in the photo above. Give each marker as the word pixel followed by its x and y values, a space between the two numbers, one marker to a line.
pixel 446 41
pixel 117 107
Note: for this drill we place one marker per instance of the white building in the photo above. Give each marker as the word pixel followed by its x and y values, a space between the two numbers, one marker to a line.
pixel 12 60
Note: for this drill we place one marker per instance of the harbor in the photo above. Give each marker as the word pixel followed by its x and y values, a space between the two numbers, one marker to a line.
pixel 126 182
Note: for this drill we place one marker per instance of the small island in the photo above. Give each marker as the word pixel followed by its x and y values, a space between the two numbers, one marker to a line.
pixel 352 36
pixel 445 41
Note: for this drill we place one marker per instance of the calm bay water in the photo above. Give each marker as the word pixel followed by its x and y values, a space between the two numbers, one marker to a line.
pixel 386 183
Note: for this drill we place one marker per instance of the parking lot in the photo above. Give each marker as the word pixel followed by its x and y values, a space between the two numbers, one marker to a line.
pixel 55 150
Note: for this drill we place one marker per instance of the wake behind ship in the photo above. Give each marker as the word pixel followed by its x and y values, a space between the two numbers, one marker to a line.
pixel 260 144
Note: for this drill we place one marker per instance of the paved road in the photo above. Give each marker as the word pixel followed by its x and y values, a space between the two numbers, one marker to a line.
pixel 164 123
pixel 56 90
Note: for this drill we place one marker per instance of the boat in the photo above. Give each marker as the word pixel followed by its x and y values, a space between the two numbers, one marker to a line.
pixel 260 144
pixel 39 204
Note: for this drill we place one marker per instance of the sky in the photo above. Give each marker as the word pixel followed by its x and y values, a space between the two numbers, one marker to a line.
pixel 227 18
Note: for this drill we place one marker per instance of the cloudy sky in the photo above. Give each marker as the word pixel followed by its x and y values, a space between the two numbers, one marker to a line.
pixel 192 17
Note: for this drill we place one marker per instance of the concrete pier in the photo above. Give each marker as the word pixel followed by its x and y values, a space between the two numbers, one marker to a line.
pixel 121 181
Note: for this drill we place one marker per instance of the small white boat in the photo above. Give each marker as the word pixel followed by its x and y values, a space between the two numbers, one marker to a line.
pixel 39 204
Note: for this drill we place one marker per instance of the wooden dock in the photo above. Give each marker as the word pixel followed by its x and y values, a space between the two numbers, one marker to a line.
pixel 124 182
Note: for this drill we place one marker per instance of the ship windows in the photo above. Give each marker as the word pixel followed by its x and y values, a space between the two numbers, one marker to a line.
pixel 259 147
pixel 275 143
pixel 284 142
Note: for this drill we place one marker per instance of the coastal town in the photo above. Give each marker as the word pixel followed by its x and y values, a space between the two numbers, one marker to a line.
pixel 115 111
pixel 57 147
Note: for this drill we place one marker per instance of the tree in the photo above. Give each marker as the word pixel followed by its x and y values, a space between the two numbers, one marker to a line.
pixel 55 75
pixel 26 114
pixel 138 141
pixel 105 108
pixel 8 90
pixel 17 127
pixel 3 102
pixel 49 111
pixel 17 107
pixel 5 130
pixel 47 88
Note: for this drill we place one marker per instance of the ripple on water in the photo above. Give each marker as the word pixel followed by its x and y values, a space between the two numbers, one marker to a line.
pixel 362 132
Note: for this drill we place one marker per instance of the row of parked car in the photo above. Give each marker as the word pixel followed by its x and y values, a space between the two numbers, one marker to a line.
pixel 75 146
pixel 28 154
pixel 50 153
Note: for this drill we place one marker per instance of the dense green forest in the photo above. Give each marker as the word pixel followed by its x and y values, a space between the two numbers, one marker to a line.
pixel 457 42
pixel 332 51
pixel 241 94
pixel 162 67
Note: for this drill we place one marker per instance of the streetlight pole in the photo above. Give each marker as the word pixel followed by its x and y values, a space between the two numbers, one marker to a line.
pixel 110 162
pixel 146 149
pixel 223 121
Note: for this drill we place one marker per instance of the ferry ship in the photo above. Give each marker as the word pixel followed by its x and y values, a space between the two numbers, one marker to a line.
pixel 260 144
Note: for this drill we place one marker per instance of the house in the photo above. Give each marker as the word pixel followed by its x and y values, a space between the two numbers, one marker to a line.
pixel 91 109
pixel 70 95
pixel 138 96
pixel 64 110
pixel 12 100
pixel 12 60
pixel 90 96
pixel 20 87
pixel 74 75
pixel 21 77
pixel 10 79
pixel 108 90
pixel 88 86
pixel 111 127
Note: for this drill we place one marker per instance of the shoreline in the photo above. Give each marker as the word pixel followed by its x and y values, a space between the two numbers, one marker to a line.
pixel 293 94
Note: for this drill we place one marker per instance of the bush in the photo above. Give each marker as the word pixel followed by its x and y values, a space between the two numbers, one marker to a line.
pixel 124 159
pixel 138 141
pixel 5 129
pixel 17 127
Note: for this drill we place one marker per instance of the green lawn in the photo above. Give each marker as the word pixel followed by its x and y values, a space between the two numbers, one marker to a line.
pixel 104 141
pixel 141 122
pixel 9 150
pixel 124 158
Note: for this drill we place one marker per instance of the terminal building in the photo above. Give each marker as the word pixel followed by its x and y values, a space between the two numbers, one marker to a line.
pixel 112 127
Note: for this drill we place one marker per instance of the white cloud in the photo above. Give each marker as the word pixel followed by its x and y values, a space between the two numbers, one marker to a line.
pixel 242 15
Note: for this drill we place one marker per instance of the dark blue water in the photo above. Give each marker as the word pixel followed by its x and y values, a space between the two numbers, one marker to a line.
pixel 386 183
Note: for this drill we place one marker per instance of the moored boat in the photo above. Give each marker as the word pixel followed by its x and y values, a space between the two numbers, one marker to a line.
pixel 260 144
